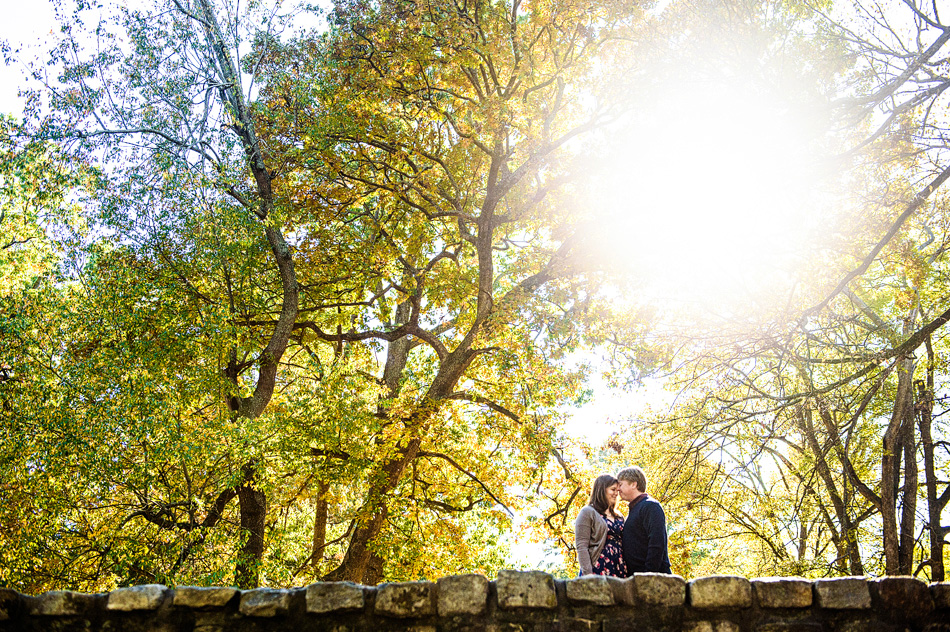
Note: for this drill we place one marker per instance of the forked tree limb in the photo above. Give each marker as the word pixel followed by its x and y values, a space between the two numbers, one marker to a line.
pixel 917 202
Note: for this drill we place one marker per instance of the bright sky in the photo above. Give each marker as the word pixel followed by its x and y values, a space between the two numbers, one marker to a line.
pixel 25 23
pixel 711 196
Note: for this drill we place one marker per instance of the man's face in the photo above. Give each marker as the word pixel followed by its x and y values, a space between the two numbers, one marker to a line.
pixel 628 490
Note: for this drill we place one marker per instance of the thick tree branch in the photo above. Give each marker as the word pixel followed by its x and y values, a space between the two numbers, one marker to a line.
pixel 454 463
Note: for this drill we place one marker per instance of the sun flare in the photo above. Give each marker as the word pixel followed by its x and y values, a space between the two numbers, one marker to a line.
pixel 709 192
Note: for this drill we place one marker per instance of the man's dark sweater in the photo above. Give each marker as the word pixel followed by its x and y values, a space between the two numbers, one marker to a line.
pixel 644 537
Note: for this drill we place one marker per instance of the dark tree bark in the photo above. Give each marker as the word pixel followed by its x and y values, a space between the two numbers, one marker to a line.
pixel 909 491
pixel 925 401
pixel 890 466
pixel 844 540
pixel 253 504
pixel 320 525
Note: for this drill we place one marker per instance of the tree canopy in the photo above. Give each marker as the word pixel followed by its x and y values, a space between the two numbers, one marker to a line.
pixel 292 295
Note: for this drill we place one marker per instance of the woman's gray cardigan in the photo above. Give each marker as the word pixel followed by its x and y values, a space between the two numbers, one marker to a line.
pixel 590 536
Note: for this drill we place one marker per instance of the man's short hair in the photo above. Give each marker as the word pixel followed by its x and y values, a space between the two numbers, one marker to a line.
pixel 633 475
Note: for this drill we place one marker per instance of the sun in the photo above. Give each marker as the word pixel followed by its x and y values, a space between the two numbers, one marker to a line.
pixel 710 191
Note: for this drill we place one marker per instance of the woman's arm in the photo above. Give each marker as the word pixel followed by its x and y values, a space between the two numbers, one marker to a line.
pixel 582 529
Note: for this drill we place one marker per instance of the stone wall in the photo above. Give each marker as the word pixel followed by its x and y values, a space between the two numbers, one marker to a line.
pixel 517 601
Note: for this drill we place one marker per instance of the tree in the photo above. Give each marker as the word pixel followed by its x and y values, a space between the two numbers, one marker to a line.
pixel 333 275
pixel 441 132
pixel 816 397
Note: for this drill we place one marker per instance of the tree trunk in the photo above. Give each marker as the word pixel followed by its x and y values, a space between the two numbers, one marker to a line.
pixel 253 504
pixel 846 544
pixel 924 409
pixel 361 564
pixel 909 491
pixel 892 450
pixel 375 569
pixel 320 526
pixel 356 563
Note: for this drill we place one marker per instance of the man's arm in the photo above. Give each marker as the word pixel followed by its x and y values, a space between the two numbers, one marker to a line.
pixel 656 538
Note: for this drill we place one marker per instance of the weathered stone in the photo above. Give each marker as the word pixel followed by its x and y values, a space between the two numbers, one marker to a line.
pixel 590 589
pixel 577 624
pixel 213 620
pixel 711 626
pixel 843 593
pixel 334 597
pixel 199 597
pixel 509 626
pixel 465 624
pixel 406 599
pixel 525 589
pixel 782 592
pixel 868 625
pixel 9 603
pixel 720 591
pixel 940 592
pixel 659 589
pixel 57 603
pixel 907 594
pixel 264 602
pixel 623 590
pixel 789 626
pixel 463 594
pixel 145 597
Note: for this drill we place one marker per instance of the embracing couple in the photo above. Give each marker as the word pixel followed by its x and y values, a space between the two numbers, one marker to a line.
pixel 609 545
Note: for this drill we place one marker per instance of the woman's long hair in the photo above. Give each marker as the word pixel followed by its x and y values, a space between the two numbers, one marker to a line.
pixel 598 495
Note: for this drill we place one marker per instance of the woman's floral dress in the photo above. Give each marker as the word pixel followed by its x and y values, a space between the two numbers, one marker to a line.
pixel 610 561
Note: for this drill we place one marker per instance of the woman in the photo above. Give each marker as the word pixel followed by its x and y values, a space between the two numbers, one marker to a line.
pixel 598 531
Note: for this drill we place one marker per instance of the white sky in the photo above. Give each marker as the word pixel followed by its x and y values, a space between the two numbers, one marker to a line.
pixel 25 23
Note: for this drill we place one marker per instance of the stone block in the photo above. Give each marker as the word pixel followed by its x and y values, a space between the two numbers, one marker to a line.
pixel 145 597
pixel 632 624
pixel 462 594
pixel 711 626
pixel 510 626
pixel 9 603
pixel 623 590
pixel 406 599
pixel 590 589
pixel 720 591
pixel 789 626
pixel 782 592
pixel 525 589
pixel 907 594
pixel 264 602
pixel 334 597
pixel 578 624
pixel 843 593
pixel 659 589
pixel 59 603
pixel 465 624
pixel 868 625
pixel 210 620
pixel 940 592
pixel 198 597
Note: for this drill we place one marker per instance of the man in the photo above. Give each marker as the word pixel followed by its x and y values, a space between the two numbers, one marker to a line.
pixel 644 532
